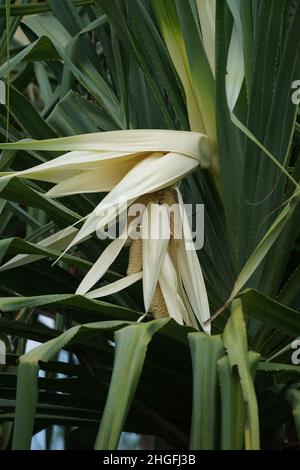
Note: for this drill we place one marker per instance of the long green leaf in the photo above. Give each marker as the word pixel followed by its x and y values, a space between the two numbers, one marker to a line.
pixel 131 346
pixel 235 341
pixel 35 8
pixel 84 67
pixel 41 49
pixel 205 351
pixel 265 245
pixel 16 246
pixel 103 310
pixel 201 74
pixel 233 410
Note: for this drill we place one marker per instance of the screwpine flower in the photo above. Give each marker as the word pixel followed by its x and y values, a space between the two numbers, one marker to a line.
pixel 136 166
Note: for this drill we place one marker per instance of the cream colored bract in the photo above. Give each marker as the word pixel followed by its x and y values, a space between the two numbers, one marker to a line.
pixel 129 165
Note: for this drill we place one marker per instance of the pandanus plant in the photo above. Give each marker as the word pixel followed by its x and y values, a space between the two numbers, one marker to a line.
pixel 158 103
pixel 132 164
